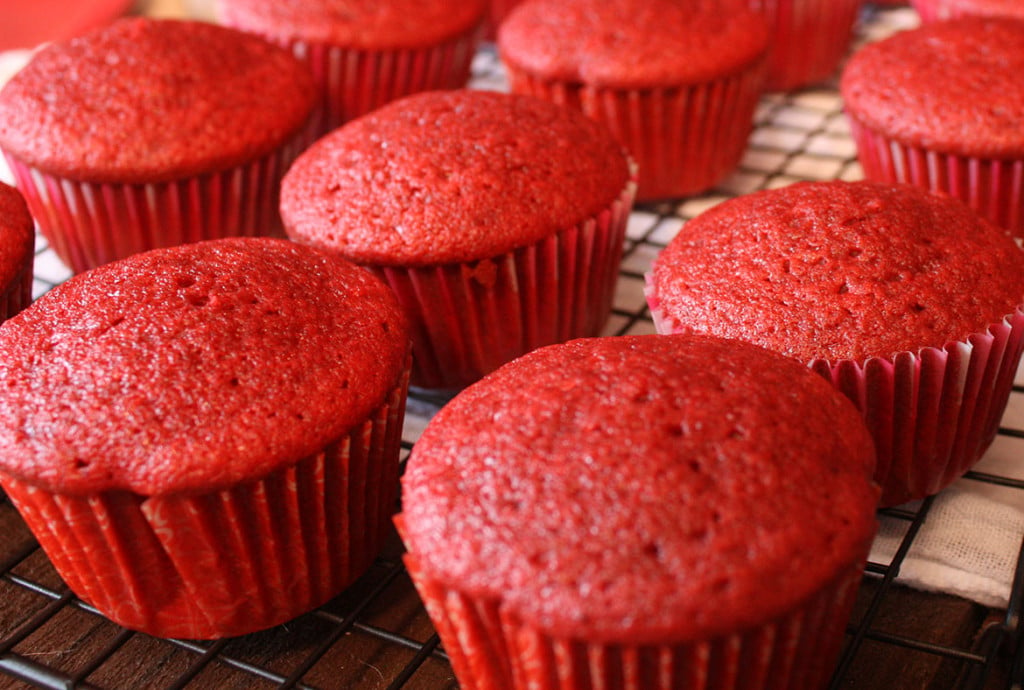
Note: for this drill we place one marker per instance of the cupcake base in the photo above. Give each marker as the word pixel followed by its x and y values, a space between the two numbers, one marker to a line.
pixel 89 224
pixel 809 39
pixel 229 562
pixel 991 186
pixel 352 82
pixel 685 139
pixel 489 648
pixel 467 319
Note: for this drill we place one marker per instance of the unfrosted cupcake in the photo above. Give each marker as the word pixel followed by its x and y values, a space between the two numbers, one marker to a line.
pixel 365 53
pixel 907 301
pixel 17 242
pixel 641 512
pixel 498 220
pixel 204 439
pixel 676 82
pixel 940 107
pixel 808 39
pixel 940 10
pixel 150 133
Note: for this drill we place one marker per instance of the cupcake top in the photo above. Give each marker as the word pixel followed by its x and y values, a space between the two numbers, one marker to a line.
pixel 17 233
pixel 951 9
pixel 356 23
pixel 146 100
pixel 642 488
pixel 632 43
pixel 838 270
pixel 451 176
pixel 194 367
pixel 951 87
pixel 990 8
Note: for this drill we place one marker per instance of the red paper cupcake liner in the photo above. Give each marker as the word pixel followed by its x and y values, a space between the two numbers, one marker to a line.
pixel 489 648
pixel 809 39
pixel 933 413
pixel 684 139
pixel 88 224
pixel 467 319
pixel 353 82
pixel 991 186
pixel 230 562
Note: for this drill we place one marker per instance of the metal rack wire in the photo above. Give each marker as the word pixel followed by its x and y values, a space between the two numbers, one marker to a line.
pixel 376 634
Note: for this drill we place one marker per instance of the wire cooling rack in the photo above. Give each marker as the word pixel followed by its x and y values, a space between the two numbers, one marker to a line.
pixel 377 635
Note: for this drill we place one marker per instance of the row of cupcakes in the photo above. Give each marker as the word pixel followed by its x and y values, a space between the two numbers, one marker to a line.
pixel 96 145
pixel 186 133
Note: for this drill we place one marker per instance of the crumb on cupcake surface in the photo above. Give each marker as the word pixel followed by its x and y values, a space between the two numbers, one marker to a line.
pixel 839 270
pixel 953 87
pixel 194 367
pixel 632 43
pixel 357 23
pixel 451 176
pixel 150 100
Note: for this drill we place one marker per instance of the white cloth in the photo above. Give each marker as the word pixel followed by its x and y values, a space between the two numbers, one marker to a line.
pixel 968 545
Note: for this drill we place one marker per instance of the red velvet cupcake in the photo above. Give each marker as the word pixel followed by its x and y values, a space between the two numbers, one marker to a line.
pixel 204 439
pixel 365 53
pixel 907 301
pixel 676 82
pixel 641 512
pixel 498 221
pixel 940 10
pixel 940 107
pixel 150 133
pixel 809 39
pixel 17 244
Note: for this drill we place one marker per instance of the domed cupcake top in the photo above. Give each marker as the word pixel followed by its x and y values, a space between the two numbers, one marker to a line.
pixel 357 23
pixel 149 100
pixel 194 367
pixel 947 86
pixel 17 231
pixel 933 10
pixel 838 270
pixel 633 43
pixel 451 176
pixel 642 488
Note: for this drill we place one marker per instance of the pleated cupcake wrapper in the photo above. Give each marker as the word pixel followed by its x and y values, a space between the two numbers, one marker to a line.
pixel 684 139
pixel 932 413
pixel 489 649
pixel 88 223
pixel 467 319
pixel 353 82
pixel 230 562
pixel 993 187
pixel 809 38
